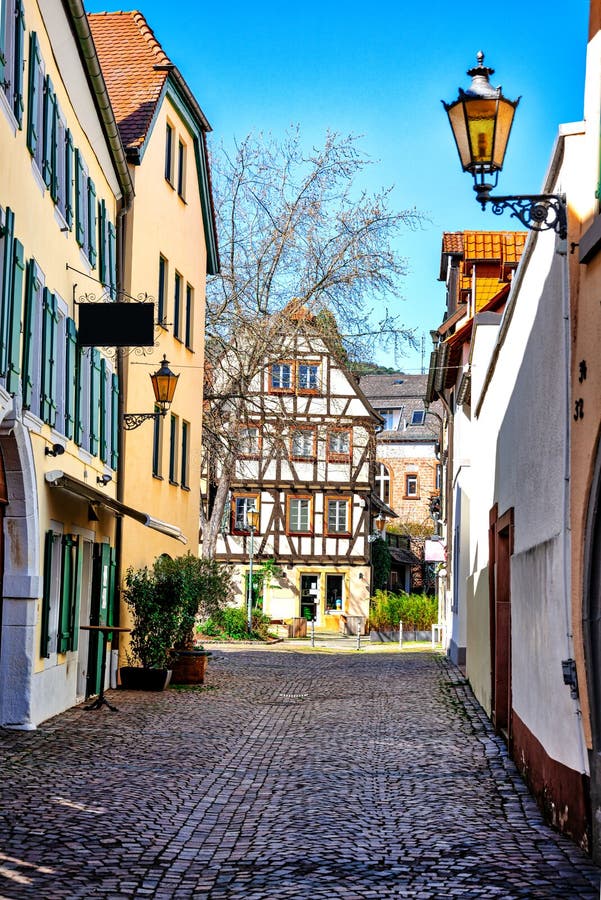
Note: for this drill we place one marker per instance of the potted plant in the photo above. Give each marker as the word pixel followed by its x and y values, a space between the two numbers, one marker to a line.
pixel 204 587
pixel 155 607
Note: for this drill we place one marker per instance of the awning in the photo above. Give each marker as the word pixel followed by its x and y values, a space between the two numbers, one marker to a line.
pixel 383 507
pixel 58 479
pixel 435 551
pixel 404 557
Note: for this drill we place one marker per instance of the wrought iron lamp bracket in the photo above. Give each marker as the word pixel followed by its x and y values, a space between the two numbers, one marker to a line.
pixel 537 212
pixel 134 420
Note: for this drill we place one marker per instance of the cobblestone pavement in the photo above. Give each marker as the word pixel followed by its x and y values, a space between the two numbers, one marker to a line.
pixel 290 774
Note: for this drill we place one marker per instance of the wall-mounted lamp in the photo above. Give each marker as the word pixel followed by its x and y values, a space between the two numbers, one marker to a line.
pixel 481 120
pixel 164 383
pixel 55 450
pixel 103 479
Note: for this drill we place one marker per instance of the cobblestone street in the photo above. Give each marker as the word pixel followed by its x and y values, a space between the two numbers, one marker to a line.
pixel 290 774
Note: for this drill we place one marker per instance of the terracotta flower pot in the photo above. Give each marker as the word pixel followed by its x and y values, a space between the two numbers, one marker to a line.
pixel 189 666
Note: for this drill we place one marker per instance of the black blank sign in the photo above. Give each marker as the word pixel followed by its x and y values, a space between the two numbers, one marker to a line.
pixel 116 325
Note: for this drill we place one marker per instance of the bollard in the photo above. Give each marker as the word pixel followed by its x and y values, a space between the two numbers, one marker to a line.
pixel 400 635
pixel 312 632
pixel 358 637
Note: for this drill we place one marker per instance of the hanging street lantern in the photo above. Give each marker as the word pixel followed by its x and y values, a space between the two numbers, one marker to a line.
pixel 481 120
pixel 164 382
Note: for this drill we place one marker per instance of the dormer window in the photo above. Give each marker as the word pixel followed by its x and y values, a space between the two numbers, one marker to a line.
pixel 418 416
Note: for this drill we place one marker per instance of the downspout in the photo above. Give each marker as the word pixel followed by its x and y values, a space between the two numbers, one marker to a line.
pixel 562 252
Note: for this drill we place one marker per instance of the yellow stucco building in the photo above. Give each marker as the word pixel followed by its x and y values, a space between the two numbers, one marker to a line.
pixel 169 246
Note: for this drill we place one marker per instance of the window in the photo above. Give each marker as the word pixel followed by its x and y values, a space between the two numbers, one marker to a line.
pixel 59 630
pixel 241 504
pixel 418 416
pixel 162 293
pixel 188 337
pixel 61 366
pixel 177 304
pixel 173 449
pixel 299 515
pixel 308 374
pixel 32 338
pixel 181 170
pixel 12 34
pixel 339 445
pixel 411 487
pixel 337 521
pixel 157 446
pixel 85 210
pixel 35 101
pixel 49 357
pixel 169 153
pixel 281 377
pixel 185 456
pixel 388 416
pixel 438 477
pixel 249 437
pixel 302 444
pixel 82 412
pixel 383 482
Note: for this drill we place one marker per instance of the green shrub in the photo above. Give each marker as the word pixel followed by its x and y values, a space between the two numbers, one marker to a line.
pixel 417 612
pixel 231 622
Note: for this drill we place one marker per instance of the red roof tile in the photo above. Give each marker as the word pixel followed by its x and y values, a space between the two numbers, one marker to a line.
pixel 129 52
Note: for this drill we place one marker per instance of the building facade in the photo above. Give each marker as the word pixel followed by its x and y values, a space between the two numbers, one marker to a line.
pixel 63 184
pixel 168 247
pixel 408 474
pixel 305 463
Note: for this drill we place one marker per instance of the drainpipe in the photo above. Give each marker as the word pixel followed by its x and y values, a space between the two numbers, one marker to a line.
pixel 562 252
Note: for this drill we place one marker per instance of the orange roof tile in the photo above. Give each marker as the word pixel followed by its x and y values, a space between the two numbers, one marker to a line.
pixel 452 242
pixel 129 54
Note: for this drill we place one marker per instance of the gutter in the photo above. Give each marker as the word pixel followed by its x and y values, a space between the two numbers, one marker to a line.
pixel 81 28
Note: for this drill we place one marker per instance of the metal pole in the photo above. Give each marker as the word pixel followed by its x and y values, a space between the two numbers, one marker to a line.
pixel 358 637
pixel 249 601
pixel 312 632
pixel 400 635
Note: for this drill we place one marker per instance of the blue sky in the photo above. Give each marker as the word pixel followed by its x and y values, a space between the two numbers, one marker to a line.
pixel 380 71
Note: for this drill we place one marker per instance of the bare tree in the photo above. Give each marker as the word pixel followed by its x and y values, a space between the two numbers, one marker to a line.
pixel 291 225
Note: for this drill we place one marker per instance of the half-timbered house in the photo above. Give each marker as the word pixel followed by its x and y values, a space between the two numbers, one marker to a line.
pixel 305 462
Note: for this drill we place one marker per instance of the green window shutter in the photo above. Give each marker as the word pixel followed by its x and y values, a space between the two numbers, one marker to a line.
pixel 79 200
pixel 70 378
pixel 14 324
pixel 2 37
pixel 76 595
pixel 112 616
pixel 104 400
pixel 32 285
pixel 82 363
pixel 102 243
pixel 45 617
pixel 94 401
pixel 33 125
pixel 69 543
pixel 55 176
pixel 114 421
pixel 69 178
pixel 49 111
pixel 112 264
pixel 49 330
pixel 18 104
pixel 7 285
pixel 92 254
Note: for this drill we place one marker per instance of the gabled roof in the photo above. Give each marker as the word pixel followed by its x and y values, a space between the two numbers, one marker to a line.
pixel 136 69
pixel 138 73
pixel 407 392
pixel 502 247
pixel 81 30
